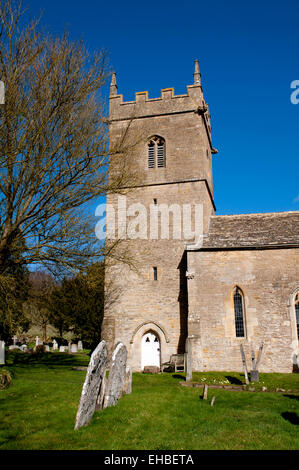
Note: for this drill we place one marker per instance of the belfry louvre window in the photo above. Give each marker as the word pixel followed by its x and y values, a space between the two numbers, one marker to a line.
pixel 239 312
pixel 151 155
pixel 156 152
pixel 160 154
pixel 297 313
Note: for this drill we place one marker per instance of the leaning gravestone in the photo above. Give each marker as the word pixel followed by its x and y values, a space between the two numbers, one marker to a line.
pixel 2 352
pixel 90 391
pixel 254 373
pixel 244 363
pixel 101 395
pixel 117 376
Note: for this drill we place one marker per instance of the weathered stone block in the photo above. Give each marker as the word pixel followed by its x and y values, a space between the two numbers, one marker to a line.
pixel 91 386
pixel 254 376
pixel 117 376
pixel 151 370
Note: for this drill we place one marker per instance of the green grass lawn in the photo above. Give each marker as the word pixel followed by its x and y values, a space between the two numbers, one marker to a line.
pixel 38 411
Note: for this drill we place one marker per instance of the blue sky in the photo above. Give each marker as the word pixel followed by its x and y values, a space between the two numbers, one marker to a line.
pixel 248 57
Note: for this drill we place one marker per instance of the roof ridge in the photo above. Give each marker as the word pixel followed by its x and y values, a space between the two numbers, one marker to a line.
pixel 261 214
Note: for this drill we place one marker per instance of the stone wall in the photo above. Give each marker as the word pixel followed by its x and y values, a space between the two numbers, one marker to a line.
pixel 141 303
pixel 177 120
pixel 269 279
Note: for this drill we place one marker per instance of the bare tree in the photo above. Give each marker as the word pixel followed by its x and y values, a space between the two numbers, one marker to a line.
pixel 53 145
pixel 37 309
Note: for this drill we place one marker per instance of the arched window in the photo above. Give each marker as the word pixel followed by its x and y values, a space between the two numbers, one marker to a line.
pixel 239 312
pixel 297 312
pixel 156 152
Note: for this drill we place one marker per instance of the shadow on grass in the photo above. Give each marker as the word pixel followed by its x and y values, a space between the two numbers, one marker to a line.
pixel 48 359
pixel 293 418
pixel 293 397
pixel 177 376
pixel 233 380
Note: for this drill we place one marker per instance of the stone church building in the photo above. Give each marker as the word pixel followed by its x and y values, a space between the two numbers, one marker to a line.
pixel 239 286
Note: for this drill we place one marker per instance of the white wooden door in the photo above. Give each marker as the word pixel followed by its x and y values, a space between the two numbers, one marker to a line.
pixel 150 350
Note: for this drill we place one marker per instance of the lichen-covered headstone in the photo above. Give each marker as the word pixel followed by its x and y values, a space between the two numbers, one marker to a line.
pixel 101 395
pixel 117 376
pixel 90 391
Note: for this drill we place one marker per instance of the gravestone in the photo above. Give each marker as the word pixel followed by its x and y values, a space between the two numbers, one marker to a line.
pixel 24 347
pixel 254 375
pixel 91 387
pixel 101 395
pixel 74 348
pixel 80 345
pixel 128 381
pixel 244 363
pixel 61 349
pixel 14 340
pixel 13 346
pixel 117 376
pixel 205 392
pixel 188 361
pixel 2 352
pixel 38 341
pixel 55 345
pixel 151 370
pixel 47 348
pixel 69 347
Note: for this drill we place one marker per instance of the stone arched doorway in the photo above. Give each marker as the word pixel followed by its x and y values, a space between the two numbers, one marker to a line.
pixel 135 348
pixel 150 350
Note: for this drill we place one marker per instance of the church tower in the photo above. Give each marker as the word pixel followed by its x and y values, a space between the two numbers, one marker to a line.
pixel 169 149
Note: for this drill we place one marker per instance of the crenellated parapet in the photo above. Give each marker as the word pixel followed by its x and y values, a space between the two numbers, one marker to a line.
pixel 167 103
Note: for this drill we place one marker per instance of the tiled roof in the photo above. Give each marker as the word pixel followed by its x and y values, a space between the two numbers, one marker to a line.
pixel 253 230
